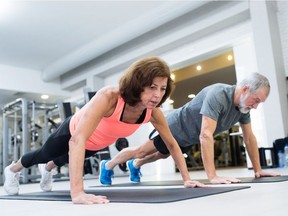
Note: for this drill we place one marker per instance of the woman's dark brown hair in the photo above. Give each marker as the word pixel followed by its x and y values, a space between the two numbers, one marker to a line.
pixel 141 74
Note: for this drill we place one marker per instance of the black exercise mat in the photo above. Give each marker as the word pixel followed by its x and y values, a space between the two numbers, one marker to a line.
pixel 205 181
pixel 131 195
pixel 264 179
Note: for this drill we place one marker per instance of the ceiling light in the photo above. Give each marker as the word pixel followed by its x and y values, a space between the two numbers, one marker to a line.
pixel 198 67
pixel 44 97
pixel 229 57
pixel 191 95
pixel 173 76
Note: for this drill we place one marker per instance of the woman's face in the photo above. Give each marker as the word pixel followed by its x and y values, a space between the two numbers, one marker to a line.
pixel 153 94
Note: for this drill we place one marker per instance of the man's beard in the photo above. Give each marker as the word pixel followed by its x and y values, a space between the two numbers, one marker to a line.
pixel 242 107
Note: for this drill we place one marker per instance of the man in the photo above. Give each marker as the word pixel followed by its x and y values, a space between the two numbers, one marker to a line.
pixel 215 109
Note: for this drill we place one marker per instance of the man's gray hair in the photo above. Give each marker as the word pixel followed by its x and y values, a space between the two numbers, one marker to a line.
pixel 255 81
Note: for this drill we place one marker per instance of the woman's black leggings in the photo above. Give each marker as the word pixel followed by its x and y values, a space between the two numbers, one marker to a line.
pixel 56 148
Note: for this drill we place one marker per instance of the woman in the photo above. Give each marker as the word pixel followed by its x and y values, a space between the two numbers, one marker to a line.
pixel 112 113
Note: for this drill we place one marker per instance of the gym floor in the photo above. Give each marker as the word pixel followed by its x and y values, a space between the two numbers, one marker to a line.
pixel 261 199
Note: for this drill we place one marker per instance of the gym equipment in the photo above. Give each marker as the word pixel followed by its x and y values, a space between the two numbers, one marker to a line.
pixel 263 153
pixel 26 126
pixel 120 144
pixel 162 195
pixel 278 145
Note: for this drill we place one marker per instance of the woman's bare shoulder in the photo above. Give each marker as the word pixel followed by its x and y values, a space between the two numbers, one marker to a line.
pixel 105 99
pixel 109 92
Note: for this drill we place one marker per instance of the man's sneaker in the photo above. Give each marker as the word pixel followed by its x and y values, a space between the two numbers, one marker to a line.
pixel 11 184
pixel 105 175
pixel 46 177
pixel 135 173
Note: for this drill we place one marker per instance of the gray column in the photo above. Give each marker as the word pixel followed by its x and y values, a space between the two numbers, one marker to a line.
pixel 94 83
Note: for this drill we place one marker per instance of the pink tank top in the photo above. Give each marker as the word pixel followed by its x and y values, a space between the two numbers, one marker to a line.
pixel 109 129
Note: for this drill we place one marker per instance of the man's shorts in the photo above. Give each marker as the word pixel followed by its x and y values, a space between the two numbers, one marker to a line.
pixel 160 145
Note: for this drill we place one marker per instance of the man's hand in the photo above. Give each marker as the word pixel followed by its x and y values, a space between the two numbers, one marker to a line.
pixel 224 180
pixel 89 199
pixel 265 174
pixel 192 184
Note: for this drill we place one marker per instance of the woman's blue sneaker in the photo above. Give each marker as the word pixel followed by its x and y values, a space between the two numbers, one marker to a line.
pixel 135 173
pixel 105 175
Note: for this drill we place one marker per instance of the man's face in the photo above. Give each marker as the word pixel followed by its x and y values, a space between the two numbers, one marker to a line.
pixel 250 100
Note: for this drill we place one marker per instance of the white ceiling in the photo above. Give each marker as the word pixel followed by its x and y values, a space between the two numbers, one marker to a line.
pixel 55 37
pixel 35 34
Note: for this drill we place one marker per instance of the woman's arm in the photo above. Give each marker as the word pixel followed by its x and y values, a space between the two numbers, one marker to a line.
pixel 101 105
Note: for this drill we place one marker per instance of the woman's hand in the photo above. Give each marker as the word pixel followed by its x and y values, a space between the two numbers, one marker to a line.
pixel 89 199
pixel 192 184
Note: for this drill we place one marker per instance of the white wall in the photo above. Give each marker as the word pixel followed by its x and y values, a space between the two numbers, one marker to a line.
pixel 245 64
pixel 270 62
pixel 283 26
pixel 26 80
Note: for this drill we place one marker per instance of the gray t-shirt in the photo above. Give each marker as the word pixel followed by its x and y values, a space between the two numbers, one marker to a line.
pixel 214 101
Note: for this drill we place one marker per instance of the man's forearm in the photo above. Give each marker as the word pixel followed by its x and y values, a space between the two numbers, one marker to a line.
pixel 207 152
pixel 252 149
